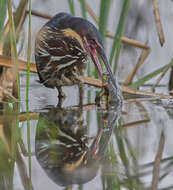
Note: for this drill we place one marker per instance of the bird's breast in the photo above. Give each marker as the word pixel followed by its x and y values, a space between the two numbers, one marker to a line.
pixel 60 57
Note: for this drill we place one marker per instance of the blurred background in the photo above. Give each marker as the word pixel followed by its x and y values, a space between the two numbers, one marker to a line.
pixel 139 25
pixel 139 154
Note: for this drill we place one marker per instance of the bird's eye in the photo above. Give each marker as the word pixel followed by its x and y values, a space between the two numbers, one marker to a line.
pixel 93 41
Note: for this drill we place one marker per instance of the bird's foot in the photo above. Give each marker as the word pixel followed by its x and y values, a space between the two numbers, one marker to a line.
pixel 61 97
pixel 60 102
pixel 104 93
pixel 61 94
pixel 81 94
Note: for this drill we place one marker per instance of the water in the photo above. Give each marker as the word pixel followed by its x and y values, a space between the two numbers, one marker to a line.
pixel 81 148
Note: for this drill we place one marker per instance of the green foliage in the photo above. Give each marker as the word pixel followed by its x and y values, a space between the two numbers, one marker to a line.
pixel 3 12
pixel 18 19
pixel 27 97
pixel 103 18
pixel 83 9
pixel 13 45
pixel 28 54
pixel 109 180
pixel 116 46
pixel 150 76
pixel 71 7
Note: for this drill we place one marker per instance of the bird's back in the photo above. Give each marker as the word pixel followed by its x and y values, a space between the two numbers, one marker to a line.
pixel 59 53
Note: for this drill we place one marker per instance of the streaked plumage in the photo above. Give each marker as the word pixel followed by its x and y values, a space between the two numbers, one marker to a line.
pixel 63 148
pixel 60 60
pixel 62 48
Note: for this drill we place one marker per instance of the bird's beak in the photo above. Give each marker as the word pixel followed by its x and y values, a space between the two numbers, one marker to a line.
pixel 93 51
pixel 94 148
pixel 93 55
pixel 102 54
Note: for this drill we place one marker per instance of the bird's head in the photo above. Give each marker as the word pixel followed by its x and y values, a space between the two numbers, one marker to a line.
pixel 93 44
pixel 90 38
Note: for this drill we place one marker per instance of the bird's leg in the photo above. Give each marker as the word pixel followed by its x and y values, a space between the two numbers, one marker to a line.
pixel 61 96
pixel 103 93
pixel 60 92
pixel 81 93
pixel 98 97
pixel 60 101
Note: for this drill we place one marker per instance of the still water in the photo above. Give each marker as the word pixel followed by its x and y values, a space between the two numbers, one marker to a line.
pixel 85 147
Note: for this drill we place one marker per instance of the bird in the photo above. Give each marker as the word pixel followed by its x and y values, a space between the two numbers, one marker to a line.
pixel 62 48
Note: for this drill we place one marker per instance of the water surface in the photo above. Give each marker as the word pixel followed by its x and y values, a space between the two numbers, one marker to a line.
pixel 85 147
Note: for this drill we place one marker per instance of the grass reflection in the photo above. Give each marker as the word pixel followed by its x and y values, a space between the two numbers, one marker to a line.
pixel 10 138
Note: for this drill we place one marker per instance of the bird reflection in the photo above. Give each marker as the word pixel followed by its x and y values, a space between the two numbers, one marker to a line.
pixel 63 148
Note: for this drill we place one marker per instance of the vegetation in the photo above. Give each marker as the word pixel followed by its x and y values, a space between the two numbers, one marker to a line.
pixel 12 147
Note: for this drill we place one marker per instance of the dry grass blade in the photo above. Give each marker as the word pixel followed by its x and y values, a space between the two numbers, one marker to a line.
pixel 157 161
pixel 46 16
pixel 135 43
pixel 93 82
pixel 171 92
pixel 19 18
pixel 23 117
pixel 160 78
pixel 6 46
pixel 23 171
pixel 158 21
pixel 5 93
pixel 87 107
pixel 32 116
pixel 125 89
pixel 171 80
pixel 13 50
pixel 91 12
pixel 134 123
pixel 6 62
pixel 39 14
pixel 139 100
pixel 145 93
pixel 142 109
pixel 142 58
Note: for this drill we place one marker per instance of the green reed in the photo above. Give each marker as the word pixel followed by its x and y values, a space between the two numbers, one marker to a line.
pixel 151 75
pixel 83 8
pixel 103 17
pixel 13 48
pixel 3 13
pixel 8 143
pixel 103 23
pixel 71 7
pixel 27 94
pixel 116 45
